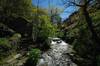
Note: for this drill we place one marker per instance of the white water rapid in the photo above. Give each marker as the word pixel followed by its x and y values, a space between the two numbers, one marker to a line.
pixel 56 56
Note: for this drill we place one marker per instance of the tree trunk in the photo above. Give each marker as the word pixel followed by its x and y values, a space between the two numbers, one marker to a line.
pixel 93 34
pixel 90 26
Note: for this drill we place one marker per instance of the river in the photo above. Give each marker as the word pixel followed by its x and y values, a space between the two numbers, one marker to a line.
pixel 57 55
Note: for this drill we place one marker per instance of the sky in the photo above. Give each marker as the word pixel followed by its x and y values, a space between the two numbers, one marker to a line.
pixel 56 4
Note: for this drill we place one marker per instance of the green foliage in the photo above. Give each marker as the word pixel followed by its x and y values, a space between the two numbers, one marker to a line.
pixel 96 21
pixel 60 34
pixel 80 37
pixel 9 45
pixel 5 46
pixel 42 30
pixel 5 42
pixel 39 11
pixel 21 8
pixel 34 55
pixel 47 29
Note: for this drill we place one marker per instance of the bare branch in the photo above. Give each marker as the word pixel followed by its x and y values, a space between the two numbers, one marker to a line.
pixel 70 3
pixel 73 3
pixel 77 4
pixel 88 2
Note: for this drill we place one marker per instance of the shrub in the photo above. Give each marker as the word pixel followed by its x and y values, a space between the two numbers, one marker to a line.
pixel 5 42
pixel 34 55
pixel 5 46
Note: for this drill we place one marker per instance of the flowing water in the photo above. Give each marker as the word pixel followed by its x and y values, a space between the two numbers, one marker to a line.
pixel 56 56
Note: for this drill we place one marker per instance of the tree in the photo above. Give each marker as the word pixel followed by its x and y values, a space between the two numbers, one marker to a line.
pixel 41 11
pixel 84 5
pixel 43 30
pixel 21 8
pixel 16 14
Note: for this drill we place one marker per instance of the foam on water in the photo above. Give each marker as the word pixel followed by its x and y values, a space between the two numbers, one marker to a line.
pixel 56 56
